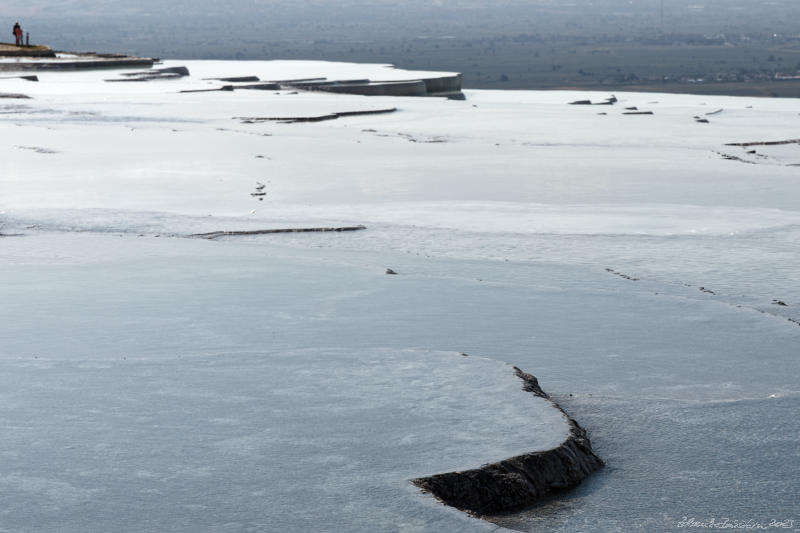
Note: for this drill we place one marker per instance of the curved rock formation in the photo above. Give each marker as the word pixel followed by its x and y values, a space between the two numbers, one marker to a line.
pixel 518 482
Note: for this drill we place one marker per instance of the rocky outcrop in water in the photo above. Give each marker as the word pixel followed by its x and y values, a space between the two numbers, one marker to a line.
pixel 518 482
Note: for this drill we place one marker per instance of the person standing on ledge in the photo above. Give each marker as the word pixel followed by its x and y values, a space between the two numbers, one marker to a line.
pixel 17 31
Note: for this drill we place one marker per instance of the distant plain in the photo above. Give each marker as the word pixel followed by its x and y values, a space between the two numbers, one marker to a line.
pixel 733 47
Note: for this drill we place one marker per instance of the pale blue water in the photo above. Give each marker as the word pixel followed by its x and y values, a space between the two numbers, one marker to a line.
pixel 669 461
pixel 690 397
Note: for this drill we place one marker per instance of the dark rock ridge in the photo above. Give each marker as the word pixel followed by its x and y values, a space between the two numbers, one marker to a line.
pixel 9 50
pixel 80 61
pixel 317 118
pixel 26 78
pixel 217 234
pixel 154 74
pixel 236 79
pixel 448 86
pixel 764 143
pixel 611 100
pixel 515 483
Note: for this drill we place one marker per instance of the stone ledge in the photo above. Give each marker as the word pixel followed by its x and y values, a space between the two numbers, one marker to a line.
pixel 43 58
pixel 12 50
pixel 518 482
